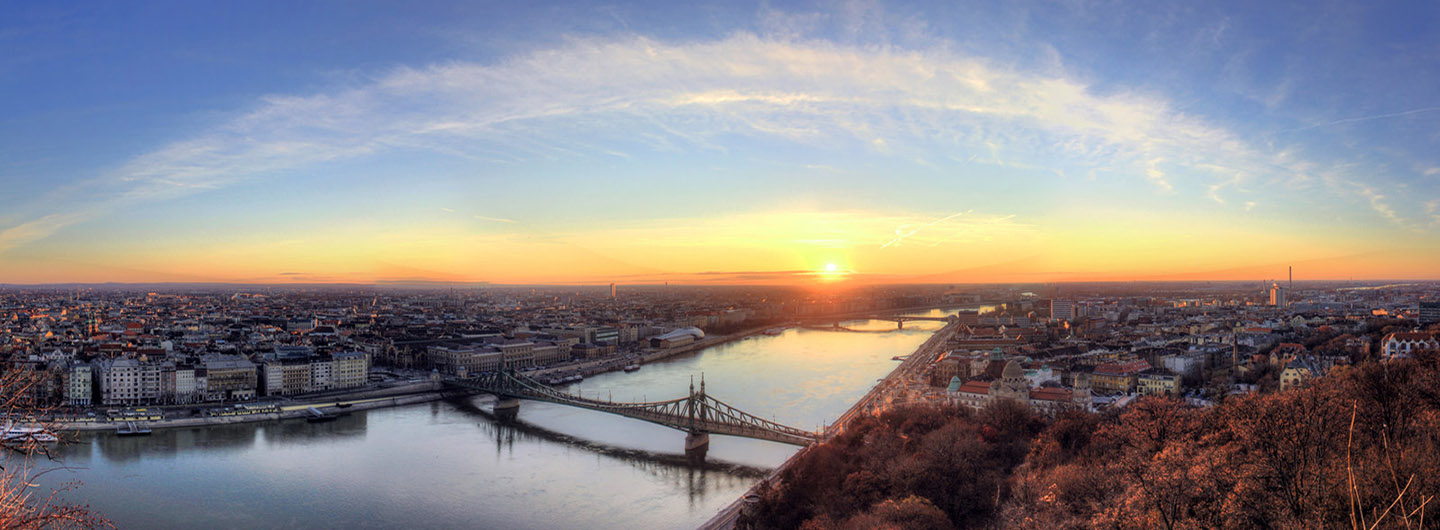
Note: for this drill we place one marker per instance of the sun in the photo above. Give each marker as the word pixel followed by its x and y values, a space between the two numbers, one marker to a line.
pixel 830 267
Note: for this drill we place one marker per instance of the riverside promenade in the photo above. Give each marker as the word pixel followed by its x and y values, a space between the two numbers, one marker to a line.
pixel 877 399
pixel 369 399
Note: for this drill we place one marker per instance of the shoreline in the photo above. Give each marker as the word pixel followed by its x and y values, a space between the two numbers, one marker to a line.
pixel 423 392
pixel 357 401
pixel 725 519
pixel 601 366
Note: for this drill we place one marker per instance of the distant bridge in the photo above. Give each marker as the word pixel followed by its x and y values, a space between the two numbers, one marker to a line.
pixel 697 414
pixel 899 320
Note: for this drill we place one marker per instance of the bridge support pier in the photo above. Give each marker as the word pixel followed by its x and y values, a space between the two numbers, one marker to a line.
pixel 507 408
pixel 696 445
pixel 899 324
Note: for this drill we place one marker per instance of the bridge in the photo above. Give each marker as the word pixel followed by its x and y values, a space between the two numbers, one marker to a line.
pixel 697 414
pixel 899 320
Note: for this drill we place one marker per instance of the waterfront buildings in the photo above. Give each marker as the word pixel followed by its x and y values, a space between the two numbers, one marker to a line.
pixel 142 348
pixel 228 378
pixel 78 385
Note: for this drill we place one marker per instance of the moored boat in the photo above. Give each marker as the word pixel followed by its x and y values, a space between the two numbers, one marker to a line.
pixel 17 434
pixel 632 367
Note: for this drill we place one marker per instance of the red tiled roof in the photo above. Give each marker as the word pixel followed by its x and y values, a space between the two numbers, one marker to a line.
pixel 1051 394
pixel 976 387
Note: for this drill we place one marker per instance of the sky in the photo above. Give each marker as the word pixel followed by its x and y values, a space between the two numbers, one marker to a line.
pixel 726 142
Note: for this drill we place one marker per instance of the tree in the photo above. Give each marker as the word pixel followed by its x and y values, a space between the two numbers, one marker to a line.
pixel 24 505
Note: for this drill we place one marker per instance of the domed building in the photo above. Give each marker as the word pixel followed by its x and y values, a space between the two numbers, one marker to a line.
pixel 1014 386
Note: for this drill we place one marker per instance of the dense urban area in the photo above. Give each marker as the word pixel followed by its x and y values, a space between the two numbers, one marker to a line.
pixel 1147 407
pixel 1014 368
pixel 107 351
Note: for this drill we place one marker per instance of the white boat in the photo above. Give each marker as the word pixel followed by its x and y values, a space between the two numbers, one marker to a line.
pixel 632 367
pixel 774 331
pixel 18 434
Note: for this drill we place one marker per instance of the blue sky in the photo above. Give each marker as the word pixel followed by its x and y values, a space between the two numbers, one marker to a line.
pixel 363 141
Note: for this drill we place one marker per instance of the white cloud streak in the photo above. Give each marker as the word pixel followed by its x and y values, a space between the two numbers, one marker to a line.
pixel 693 96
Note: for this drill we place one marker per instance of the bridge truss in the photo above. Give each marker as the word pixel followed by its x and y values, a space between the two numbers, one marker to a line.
pixel 696 414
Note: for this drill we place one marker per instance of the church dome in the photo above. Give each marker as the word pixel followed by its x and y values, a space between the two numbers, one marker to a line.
pixel 954 384
pixel 1013 371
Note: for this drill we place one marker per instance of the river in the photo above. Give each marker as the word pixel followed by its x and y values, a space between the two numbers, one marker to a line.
pixel 449 464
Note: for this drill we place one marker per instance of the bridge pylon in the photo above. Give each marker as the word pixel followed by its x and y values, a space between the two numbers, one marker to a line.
pixel 507 408
pixel 696 445
pixel 697 439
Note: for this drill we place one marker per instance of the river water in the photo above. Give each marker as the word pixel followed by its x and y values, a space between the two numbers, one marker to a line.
pixel 450 464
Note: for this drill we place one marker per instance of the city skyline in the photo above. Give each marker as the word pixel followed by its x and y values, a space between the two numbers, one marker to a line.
pixel 720 143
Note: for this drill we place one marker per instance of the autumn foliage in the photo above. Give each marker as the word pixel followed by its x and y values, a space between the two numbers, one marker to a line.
pixel 1359 448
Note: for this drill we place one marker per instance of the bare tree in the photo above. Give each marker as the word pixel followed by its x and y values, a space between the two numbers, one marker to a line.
pixel 26 455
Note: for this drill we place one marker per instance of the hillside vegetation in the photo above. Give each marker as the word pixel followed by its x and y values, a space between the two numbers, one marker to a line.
pixel 1359 448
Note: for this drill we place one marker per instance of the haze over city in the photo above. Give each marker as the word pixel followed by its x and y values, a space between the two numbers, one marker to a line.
pixel 861 142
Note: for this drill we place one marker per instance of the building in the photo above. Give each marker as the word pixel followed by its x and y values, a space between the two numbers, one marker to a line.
pixel 184 385
pixel 349 369
pixel 1403 344
pixel 1118 377
pixel 679 337
pixel 465 361
pixel 78 387
pixel 229 378
pixel 950 368
pixel 1430 312
pixel 607 335
pixel 118 381
pixel 1298 372
pixel 1184 364
pixel 1062 310
pixel 1012 385
pixel 1277 295
pixel 1157 382
pixel 320 374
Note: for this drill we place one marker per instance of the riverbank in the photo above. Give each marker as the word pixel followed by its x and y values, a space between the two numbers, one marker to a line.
pixel 725 519
pixel 600 366
pixel 408 394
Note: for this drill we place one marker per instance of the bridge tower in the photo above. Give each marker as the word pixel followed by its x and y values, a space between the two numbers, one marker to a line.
pixel 697 440
pixel 507 407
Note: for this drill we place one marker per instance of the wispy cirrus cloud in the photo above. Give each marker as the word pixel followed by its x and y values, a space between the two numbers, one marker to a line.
pixel 566 101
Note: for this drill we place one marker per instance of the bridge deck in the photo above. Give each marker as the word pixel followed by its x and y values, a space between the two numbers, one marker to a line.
pixel 695 413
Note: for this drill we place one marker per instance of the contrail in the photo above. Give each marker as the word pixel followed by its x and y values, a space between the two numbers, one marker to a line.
pixel 1364 118
pixel 899 236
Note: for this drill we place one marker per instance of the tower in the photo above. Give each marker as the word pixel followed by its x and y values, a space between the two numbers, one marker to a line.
pixel 612 291
pixel 1277 295
pixel 1080 395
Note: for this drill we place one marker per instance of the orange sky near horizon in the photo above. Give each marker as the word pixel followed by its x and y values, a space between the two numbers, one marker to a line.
pixel 764 248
